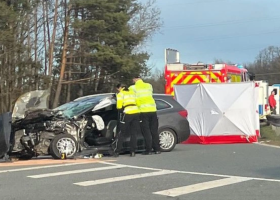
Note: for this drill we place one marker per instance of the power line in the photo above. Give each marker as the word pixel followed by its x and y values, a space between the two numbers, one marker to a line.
pixel 216 38
pixel 194 2
pixel 229 22
pixel 267 74
pixel 222 50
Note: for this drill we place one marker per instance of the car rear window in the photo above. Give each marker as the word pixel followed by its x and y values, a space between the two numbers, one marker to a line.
pixel 162 104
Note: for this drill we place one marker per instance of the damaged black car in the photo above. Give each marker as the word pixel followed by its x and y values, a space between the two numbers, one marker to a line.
pixel 87 124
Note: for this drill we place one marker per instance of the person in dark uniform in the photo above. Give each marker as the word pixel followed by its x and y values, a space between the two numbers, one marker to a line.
pixel 130 120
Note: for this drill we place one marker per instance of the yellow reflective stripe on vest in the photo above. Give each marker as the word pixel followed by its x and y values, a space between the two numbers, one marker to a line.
pixel 127 98
pixel 148 108
pixel 129 101
pixel 131 110
pixel 144 96
pixel 147 105
pixel 148 90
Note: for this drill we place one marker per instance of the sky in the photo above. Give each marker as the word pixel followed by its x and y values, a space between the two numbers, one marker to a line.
pixel 205 30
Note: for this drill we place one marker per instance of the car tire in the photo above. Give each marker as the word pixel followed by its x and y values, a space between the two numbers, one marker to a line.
pixel 56 146
pixel 167 139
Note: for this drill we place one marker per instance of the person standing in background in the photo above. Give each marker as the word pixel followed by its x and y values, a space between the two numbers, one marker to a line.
pixel 272 103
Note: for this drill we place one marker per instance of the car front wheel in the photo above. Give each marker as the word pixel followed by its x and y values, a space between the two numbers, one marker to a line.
pixel 167 140
pixel 63 143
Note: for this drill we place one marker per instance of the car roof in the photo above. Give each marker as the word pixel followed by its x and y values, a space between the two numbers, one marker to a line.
pixel 90 98
pixel 93 95
pixel 108 94
pixel 165 95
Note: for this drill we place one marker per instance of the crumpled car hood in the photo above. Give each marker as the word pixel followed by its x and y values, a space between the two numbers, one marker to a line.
pixel 33 100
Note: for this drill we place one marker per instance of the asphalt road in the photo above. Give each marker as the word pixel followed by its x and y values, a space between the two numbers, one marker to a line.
pixel 193 172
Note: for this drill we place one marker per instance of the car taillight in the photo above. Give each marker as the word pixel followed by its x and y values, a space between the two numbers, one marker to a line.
pixel 183 113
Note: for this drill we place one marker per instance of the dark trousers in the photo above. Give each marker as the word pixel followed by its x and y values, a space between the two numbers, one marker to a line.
pixel 273 110
pixel 129 123
pixel 149 126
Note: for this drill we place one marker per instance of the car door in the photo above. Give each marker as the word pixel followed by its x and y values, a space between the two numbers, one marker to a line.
pixel 164 111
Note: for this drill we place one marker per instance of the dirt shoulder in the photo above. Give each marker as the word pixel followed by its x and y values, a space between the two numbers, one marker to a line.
pixel 269 136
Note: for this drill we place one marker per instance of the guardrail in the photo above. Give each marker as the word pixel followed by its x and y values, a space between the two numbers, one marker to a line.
pixel 274 120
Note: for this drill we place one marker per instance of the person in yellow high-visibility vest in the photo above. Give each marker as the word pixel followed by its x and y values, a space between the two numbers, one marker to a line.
pixel 148 114
pixel 130 120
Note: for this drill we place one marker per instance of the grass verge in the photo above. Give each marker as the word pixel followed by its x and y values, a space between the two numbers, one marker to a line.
pixel 268 136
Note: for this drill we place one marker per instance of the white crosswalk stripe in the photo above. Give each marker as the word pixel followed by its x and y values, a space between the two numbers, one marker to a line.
pixel 75 171
pixel 122 178
pixel 201 186
pixel 41 167
pixel 143 172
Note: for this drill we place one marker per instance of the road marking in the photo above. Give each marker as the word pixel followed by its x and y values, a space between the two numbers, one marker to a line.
pixel 195 173
pixel 200 186
pixel 122 178
pixel 41 162
pixel 47 166
pixel 267 145
pixel 75 172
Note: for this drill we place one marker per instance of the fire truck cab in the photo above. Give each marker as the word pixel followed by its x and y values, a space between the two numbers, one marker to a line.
pixel 180 73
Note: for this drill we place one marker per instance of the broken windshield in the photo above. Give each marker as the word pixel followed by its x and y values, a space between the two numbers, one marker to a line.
pixel 79 107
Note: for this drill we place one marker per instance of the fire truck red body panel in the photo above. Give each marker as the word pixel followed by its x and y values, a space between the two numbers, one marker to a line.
pixel 179 73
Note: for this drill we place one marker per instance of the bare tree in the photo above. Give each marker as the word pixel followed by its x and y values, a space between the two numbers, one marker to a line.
pixel 267 65
pixel 146 20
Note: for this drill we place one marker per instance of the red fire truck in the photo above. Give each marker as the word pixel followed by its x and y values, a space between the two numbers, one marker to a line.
pixel 179 73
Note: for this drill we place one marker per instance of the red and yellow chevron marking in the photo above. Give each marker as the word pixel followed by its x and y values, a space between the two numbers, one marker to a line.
pixel 192 78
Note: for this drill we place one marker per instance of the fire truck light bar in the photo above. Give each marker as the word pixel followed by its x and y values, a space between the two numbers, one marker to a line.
pixel 181 67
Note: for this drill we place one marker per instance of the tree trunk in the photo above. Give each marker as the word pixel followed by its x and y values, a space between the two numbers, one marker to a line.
pixel 69 87
pixel 30 70
pixel 101 80
pixel 35 51
pixel 45 35
pixel 48 26
pixel 53 38
pixel 64 60
pixel 2 81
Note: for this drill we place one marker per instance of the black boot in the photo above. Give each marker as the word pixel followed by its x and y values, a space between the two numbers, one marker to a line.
pixel 157 152
pixel 147 153
pixel 132 154
pixel 116 155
